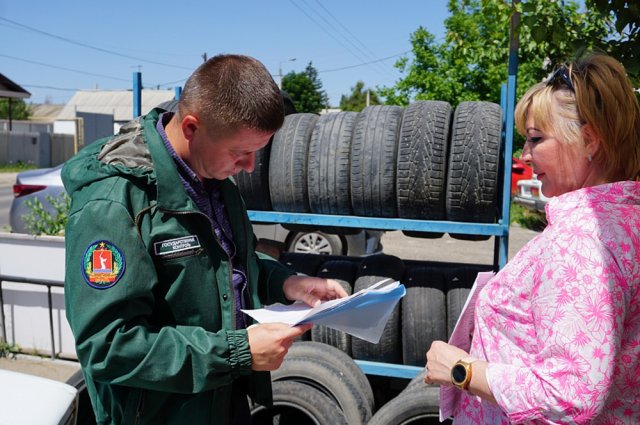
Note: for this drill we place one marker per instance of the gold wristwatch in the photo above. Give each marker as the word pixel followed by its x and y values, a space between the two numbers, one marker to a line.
pixel 461 373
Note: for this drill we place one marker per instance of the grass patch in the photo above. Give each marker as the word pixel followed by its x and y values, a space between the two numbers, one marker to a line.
pixel 529 219
pixel 17 167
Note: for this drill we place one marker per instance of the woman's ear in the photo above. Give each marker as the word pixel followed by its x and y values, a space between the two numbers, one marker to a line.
pixel 591 140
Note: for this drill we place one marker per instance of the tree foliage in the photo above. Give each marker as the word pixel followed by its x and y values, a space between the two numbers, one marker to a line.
pixel 471 62
pixel 305 90
pixel 357 100
pixel 19 109
pixel 623 21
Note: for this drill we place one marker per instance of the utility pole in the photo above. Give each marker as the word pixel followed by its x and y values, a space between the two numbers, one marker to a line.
pixel 280 71
pixel 204 57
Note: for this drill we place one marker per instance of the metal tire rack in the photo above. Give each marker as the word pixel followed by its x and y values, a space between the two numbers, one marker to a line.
pixel 500 229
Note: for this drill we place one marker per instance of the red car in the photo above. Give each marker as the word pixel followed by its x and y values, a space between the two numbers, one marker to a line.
pixel 519 171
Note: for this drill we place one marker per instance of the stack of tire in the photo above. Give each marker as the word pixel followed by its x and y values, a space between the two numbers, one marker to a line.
pixel 317 384
pixel 421 162
pixel 436 294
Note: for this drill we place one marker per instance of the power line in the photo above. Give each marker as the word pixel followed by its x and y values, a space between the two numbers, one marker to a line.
pixel 67 40
pixel 365 63
pixel 329 33
pixel 368 53
pixel 63 68
pixel 49 87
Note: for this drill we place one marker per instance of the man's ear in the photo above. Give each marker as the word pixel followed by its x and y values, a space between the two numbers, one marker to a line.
pixel 189 125
pixel 591 140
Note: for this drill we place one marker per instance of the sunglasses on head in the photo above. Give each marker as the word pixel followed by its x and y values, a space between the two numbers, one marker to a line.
pixel 561 77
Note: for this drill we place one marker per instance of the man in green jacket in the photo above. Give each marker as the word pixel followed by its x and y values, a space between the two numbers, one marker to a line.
pixel 161 258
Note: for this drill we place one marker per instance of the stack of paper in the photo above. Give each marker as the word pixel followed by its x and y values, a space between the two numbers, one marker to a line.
pixel 363 314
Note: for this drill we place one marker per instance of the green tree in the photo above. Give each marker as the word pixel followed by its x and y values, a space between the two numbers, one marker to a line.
pixel 19 109
pixel 305 89
pixel 623 22
pixel 471 63
pixel 357 100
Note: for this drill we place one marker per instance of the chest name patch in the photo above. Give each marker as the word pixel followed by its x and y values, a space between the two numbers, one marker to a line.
pixel 176 247
pixel 103 264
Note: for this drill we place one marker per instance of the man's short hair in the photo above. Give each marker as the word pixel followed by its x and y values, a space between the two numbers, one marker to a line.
pixel 229 92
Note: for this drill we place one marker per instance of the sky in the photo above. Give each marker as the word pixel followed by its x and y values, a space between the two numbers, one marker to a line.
pixel 53 48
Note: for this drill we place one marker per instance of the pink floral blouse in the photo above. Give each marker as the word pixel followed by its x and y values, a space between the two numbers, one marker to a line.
pixel 560 324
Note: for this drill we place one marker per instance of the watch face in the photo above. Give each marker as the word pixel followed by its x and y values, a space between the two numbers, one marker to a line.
pixel 458 373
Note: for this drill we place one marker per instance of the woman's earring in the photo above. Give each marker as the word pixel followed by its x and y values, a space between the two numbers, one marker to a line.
pixel 589 158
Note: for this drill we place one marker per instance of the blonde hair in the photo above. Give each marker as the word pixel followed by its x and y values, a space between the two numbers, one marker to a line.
pixel 602 98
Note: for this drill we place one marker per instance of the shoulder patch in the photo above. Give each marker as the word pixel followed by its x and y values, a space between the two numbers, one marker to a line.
pixel 102 264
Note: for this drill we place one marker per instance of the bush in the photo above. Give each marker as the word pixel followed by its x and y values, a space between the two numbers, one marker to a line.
pixel 41 221
pixel 529 219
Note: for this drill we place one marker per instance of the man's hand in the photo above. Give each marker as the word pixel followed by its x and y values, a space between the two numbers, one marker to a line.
pixel 312 290
pixel 270 342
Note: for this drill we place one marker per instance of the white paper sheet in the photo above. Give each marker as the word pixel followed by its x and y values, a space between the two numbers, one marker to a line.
pixel 363 314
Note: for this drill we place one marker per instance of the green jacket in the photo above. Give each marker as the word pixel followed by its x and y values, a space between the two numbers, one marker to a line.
pixel 148 288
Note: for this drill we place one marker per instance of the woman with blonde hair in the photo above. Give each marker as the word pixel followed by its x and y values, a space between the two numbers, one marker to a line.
pixel 556 334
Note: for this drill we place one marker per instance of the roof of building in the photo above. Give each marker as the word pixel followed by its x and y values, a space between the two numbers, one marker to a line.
pixel 118 103
pixel 10 89
pixel 45 111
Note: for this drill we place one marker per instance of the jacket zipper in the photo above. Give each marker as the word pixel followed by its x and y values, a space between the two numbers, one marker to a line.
pixel 140 407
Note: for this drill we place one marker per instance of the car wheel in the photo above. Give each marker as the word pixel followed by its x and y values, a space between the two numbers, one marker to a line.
pixel 317 243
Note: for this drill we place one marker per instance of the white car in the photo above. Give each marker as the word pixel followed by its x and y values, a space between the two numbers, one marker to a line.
pixel 530 195
pixel 46 182
pixel 28 399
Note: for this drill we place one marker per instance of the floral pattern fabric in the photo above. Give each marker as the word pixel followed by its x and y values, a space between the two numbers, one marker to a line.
pixel 560 324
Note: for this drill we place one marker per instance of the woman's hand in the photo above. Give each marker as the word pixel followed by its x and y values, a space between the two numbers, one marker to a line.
pixel 440 360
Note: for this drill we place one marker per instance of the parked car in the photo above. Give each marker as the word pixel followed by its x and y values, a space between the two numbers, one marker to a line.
pixel 530 194
pixel 30 399
pixel 41 183
pixel 519 171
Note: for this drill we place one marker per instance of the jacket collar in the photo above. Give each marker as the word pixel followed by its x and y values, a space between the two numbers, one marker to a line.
pixel 169 196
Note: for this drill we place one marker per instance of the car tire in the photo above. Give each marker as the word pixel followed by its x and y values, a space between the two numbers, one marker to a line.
pixel 389 349
pixel 288 164
pixel 473 169
pixel 410 407
pixel 298 403
pixel 424 313
pixel 374 150
pixel 316 243
pixel 86 416
pixel 458 283
pixel 306 264
pixel 340 360
pixel 329 380
pixel 254 186
pixel 422 160
pixel 329 164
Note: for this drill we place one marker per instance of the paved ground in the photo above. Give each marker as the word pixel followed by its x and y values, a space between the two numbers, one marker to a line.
pixel 58 370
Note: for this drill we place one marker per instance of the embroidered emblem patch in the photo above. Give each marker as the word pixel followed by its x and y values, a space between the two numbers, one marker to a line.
pixel 102 264
pixel 177 247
